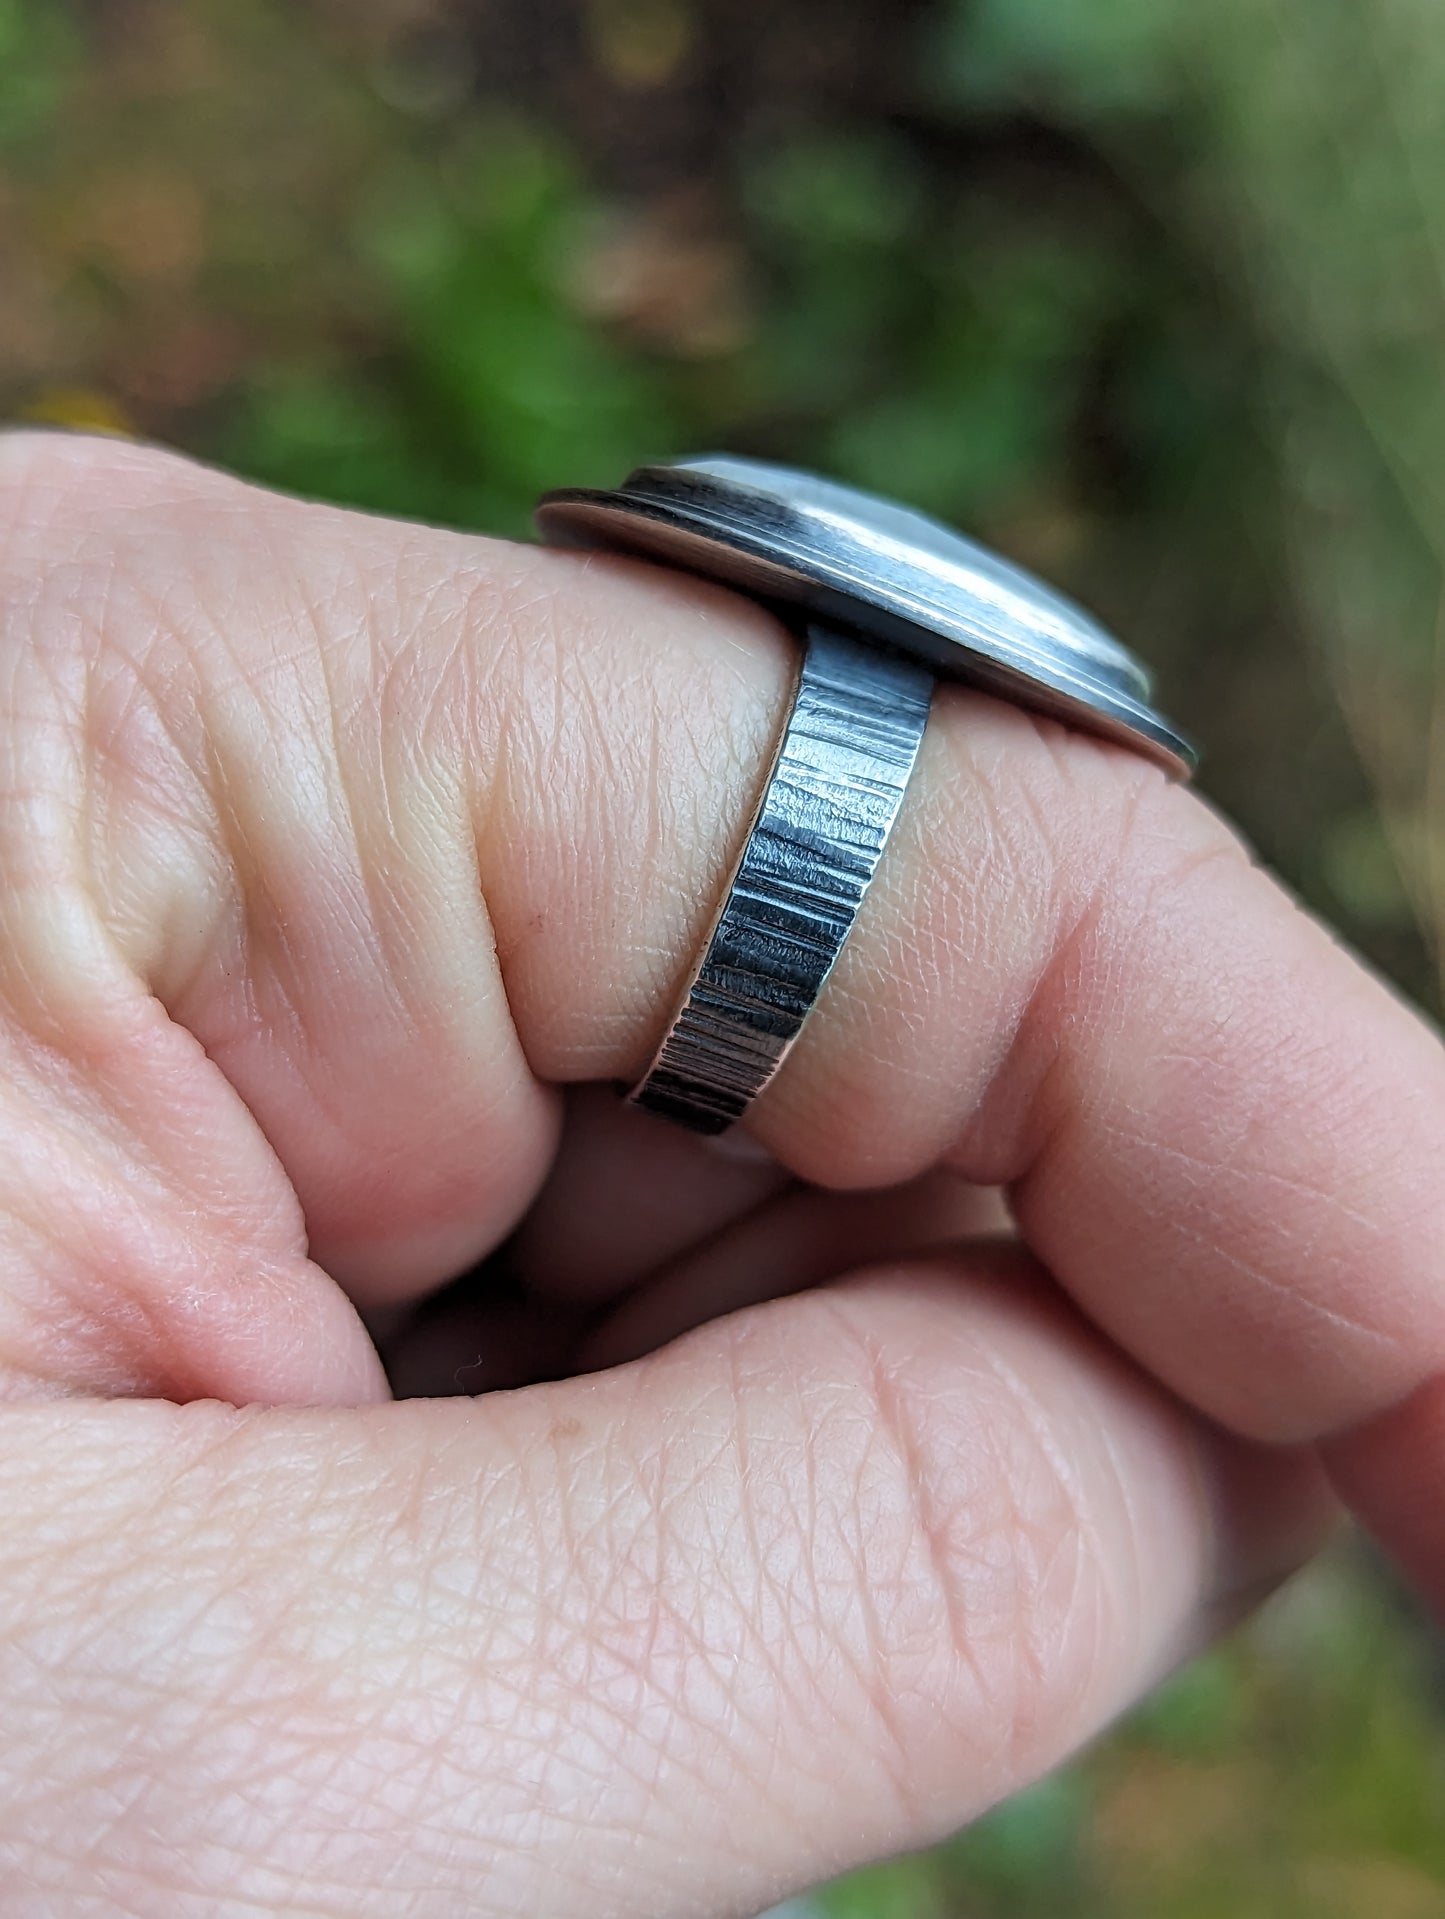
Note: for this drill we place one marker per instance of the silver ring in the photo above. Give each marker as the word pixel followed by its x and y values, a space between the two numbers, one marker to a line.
pixel 887 600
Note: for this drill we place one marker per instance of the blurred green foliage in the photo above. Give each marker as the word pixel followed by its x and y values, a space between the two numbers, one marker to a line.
pixel 37 50
pixel 1149 294
pixel 463 422
pixel 1298 1771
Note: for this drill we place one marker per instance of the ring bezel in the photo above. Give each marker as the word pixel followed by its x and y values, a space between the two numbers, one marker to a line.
pixel 882 571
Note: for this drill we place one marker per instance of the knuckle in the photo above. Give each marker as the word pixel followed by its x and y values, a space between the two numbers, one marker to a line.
pixel 96 790
pixel 54 484
pixel 983 1600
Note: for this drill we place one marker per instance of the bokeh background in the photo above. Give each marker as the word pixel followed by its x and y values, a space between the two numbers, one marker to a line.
pixel 1149 294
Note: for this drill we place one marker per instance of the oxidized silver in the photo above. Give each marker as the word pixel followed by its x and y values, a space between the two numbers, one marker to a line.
pixel 824 819
pixel 889 599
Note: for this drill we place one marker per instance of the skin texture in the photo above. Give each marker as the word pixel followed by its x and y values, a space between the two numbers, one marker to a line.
pixel 1094 1227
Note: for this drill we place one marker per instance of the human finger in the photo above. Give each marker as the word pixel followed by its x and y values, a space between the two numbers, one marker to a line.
pixel 818 1583
pixel 797 1239
pixel 498 1330
pixel 625 1194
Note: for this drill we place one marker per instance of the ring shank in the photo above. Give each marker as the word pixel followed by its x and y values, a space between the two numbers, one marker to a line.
pixel 835 790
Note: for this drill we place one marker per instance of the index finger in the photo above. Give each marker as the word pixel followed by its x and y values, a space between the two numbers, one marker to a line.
pixel 1222 1135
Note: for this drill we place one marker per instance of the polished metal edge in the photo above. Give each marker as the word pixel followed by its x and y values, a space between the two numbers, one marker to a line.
pixel 768 561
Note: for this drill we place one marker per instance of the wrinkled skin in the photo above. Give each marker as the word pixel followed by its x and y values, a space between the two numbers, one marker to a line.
pixel 1089 1246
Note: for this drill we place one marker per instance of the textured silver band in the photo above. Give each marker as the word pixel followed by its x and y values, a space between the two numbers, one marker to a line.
pixel 825 815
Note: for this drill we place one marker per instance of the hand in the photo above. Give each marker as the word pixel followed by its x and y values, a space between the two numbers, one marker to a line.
pixel 333 853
